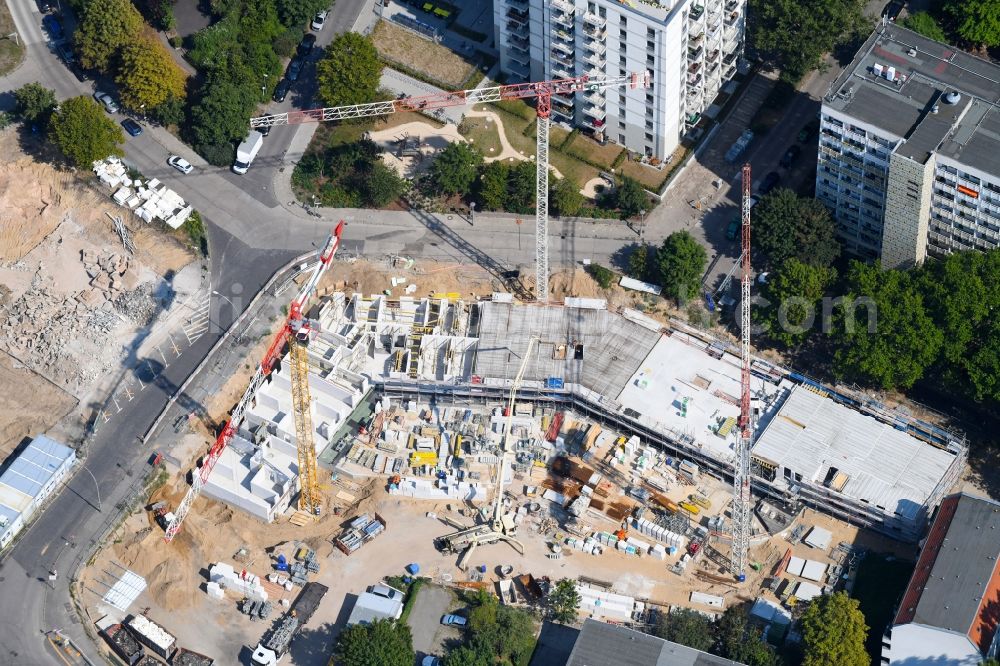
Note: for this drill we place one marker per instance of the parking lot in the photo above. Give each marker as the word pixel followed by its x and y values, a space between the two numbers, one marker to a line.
pixel 429 635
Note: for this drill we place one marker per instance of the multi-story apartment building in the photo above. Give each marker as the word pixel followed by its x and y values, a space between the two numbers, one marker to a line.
pixel 909 150
pixel 690 48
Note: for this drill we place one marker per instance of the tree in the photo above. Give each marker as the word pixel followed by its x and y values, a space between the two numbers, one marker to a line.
pixel 521 189
pixel 681 261
pixel 159 13
pixel 564 602
pixel 793 292
pixel 106 28
pixel 381 643
pixel 455 168
pixel 350 71
pixel 148 75
pixel 639 264
pixel 687 627
pixel 926 25
pixel 294 13
pixel 565 197
pixel 834 631
pixel 380 185
pixel 219 118
pixel 34 103
pixel 631 198
pixel 84 132
pixel 497 634
pixel 735 639
pixel 493 185
pixel 978 21
pixel 795 34
pixel 466 656
pixel 604 277
pixel 786 225
pixel 897 342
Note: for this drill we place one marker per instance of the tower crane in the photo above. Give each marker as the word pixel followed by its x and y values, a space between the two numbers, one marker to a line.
pixel 295 334
pixel 744 443
pixel 541 91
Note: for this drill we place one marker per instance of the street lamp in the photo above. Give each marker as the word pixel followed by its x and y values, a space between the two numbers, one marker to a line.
pixel 263 90
pixel 642 223
pixel 98 487
pixel 472 213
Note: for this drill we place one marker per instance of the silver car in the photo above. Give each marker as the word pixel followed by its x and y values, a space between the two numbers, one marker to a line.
pixel 106 101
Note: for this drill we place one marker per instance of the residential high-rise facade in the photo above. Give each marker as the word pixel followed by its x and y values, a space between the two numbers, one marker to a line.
pixel 690 48
pixel 909 150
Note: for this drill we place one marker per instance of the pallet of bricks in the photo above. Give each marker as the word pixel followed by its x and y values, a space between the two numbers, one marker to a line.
pixel 361 530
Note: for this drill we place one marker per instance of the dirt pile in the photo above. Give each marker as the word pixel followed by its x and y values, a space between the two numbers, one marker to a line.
pixel 28 191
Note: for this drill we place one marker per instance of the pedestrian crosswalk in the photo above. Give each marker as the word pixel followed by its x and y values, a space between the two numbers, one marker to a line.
pixel 198 323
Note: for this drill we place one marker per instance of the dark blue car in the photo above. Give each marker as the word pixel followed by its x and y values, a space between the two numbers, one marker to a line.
pixel 133 128
pixel 53 27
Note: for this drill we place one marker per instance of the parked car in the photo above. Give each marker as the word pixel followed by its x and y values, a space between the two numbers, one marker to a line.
pixel 295 68
pixel 430 660
pixel 307 44
pixel 79 72
pixel 452 620
pixel 44 6
pixel 264 129
pixel 105 100
pixel 53 26
pixel 133 128
pixel 891 11
pixel 770 182
pixel 65 52
pixel 790 156
pixel 319 20
pixel 179 163
pixel 733 229
pixel 808 131
pixel 281 90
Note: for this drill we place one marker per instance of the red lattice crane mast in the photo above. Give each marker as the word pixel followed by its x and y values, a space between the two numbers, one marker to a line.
pixel 295 325
pixel 541 91
pixel 741 474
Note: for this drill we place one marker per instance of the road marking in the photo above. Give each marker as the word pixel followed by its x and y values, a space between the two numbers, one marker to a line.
pixel 161 355
pixel 173 345
pixel 197 325
pixel 128 393
pixel 115 400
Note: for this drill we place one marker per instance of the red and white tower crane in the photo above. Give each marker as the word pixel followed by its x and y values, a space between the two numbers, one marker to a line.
pixel 741 475
pixel 291 334
pixel 541 91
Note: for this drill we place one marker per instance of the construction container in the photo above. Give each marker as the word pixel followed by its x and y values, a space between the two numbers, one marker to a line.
pixel 185 657
pixel 152 635
pixel 124 645
pixel 693 509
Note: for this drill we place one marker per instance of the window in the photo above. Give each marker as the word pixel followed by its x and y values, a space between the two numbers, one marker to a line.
pixel 651 61
pixel 621 126
pixel 649 124
pixel 649 136
pixel 621 98
pixel 621 60
pixel 650 45
pixel 649 98
pixel 621 137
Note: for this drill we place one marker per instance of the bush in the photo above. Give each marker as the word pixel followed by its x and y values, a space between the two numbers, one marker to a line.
pixel 517 108
pixel 217 154
pixel 194 227
pixel 285 43
pixel 177 41
pixel 5 120
pixel 605 277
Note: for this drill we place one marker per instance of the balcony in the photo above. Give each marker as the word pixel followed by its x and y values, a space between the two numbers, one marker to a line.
pixel 694 79
pixel 519 39
pixel 596 47
pixel 519 46
pixel 696 12
pixel 713 55
pixel 561 59
pixel 597 123
pixel 732 19
pixel 518 57
pixel 595 97
pixel 562 19
pixel 519 4
pixel 592 32
pixel 595 112
pixel 565 116
pixel 695 40
pixel 695 53
pixel 563 48
pixel 594 20
pixel 732 5
pixel 560 71
pixel 563 7
pixel 595 60
pixel 520 17
pixel 694 67
pixel 565 37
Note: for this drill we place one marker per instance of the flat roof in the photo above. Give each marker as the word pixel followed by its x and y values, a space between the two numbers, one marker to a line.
pixel 602 644
pixel 24 478
pixel 886 467
pixel 370 607
pixel 967 131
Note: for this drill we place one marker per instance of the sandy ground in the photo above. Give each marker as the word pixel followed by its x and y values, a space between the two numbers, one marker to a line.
pixel 421 54
pixel 72 300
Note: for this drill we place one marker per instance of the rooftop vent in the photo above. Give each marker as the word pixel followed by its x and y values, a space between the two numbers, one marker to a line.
pixel 952 97
pixel 912 53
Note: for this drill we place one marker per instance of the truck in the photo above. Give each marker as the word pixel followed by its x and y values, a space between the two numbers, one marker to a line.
pixel 247 150
pixel 274 645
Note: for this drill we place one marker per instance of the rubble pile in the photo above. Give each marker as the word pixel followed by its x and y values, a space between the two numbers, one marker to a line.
pixel 110 274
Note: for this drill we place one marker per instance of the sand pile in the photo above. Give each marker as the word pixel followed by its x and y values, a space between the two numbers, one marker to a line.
pixel 29 192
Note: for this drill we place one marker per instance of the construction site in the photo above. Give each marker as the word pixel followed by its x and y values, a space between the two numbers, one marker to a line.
pixel 498 443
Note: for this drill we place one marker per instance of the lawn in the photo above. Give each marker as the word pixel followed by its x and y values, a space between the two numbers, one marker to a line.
pixel 652 179
pixel 11 52
pixel 481 133
pixel 585 148
pixel 329 135
pixel 413 52
pixel 878 587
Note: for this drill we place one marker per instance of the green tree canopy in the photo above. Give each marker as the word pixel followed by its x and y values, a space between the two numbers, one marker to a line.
pixel 564 602
pixel 105 29
pixel 793 292
pixel 148 75
pixel 834 631
pixel 794 34
pixel 631 198
pixel 884 333
pixel 926 25
pixel 565 197
pixel 294 13
pixel 378 184
pixel 33 103
pixel 497 635
pixel 640 263
pixel 681 260
pixel 521 186
pixel 493 185
pixel 381 643
pixel 786 225
pixel 687 627
pixel 349 72
pixel 455 168
pixel 978 21
pixel 84 132
pixel 736 639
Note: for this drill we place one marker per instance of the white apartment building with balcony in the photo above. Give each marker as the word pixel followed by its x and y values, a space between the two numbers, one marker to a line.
pixel 909 150
pixel 690 48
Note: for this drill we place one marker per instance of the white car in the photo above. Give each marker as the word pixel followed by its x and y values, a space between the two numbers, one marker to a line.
pixel 453 620
pixel 106 101
pixel 179 163
pixel 430 660
pixel 319 21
